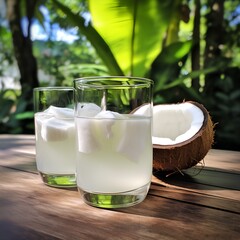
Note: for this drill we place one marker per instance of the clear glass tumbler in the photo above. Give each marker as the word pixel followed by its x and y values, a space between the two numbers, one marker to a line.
pixel 113 117
pixel 55 135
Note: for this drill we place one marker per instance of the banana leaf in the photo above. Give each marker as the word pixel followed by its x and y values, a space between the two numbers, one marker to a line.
pixel 133 30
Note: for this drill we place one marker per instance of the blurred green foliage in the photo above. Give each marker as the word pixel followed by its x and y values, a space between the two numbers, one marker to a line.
pixel 14 118
pixel 65 62
pixel 189 56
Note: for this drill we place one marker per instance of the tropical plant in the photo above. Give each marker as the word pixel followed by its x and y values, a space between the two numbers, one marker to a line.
pixel 15 40
pixel 190 48
pixel 13 114
pixel 144 38
pixel 17 110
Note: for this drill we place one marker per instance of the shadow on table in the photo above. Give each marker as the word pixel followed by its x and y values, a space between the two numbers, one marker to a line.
pixel 189 194
pixel 201 178
pixel 11 142
pixel 11 231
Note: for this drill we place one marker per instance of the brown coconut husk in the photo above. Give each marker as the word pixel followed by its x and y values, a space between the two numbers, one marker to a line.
pixel 172 158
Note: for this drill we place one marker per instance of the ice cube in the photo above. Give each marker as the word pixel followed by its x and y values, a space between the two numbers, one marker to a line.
pixel 87 109
pixel 108 122
pixel 86 141
pixel 143 110
pixel 109 114
pixel 54 129
pixel 60 112
pixel 136 131
pixel 94 132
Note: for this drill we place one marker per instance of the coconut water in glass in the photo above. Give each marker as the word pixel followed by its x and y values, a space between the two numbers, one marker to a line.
pixel 55 136
pixel 114 141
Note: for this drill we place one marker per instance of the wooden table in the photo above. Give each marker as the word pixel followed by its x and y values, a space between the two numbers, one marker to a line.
pixel 201 204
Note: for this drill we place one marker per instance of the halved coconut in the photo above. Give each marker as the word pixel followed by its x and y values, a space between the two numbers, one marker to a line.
pixel 182 135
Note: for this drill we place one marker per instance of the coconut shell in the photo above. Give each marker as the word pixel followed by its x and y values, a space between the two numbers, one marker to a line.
pixel 186 154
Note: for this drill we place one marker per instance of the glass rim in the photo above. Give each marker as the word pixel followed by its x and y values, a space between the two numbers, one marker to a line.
pixel 138 81
pixel 52 88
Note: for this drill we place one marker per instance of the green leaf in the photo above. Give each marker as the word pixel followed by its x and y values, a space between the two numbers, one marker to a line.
pixel 134 30
pixel 224 108
pixel 175 52
pixel 6 106
pixel 166 67
pixel 93 36
pixel 235 95
pixel 83 69
pixel 25 115
pixel 222 96
pixel 39 15
pixel 190 75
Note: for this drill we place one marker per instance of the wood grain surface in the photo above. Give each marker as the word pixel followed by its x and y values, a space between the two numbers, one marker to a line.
pixel 200 203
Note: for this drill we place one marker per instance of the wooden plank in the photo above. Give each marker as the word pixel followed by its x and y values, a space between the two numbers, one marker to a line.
pixel 187 183
pixel 215 178
pixel 193 206
pixel 14 146
pixel 222 160
pixel 206 176
pixel 28 204
pixel 17 141
pixel 220 176
pixel 11 231
pixel 18 151
pixel 196 198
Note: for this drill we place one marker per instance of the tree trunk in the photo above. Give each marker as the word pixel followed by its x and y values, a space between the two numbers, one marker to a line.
pixel 23 46
pixel 195 54
pixel 214 38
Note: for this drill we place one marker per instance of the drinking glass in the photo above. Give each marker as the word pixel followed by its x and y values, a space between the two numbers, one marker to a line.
pixel 55 135
pixel 113 118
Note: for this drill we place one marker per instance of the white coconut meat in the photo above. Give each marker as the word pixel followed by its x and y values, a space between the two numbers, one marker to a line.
pixel 175 123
